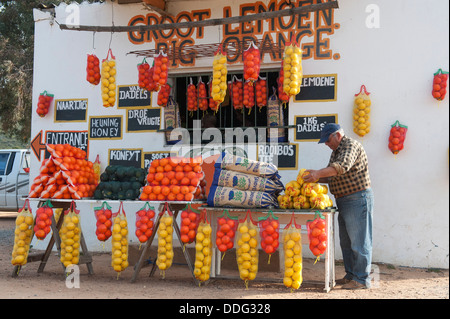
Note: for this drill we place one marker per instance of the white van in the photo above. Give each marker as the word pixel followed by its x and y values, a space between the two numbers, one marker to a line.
pixel 14 178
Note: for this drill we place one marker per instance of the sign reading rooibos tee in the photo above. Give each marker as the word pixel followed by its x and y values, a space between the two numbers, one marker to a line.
pixel 309 127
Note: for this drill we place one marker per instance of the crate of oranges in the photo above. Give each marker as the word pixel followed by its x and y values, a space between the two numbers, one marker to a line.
pixel 174 179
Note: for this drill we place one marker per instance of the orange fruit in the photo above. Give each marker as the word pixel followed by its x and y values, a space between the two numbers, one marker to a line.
pixel 147 189
pixel 185 181
pixel 143 196
pixel 170 175
pixel 179 168
pixel 165 181
pixel 151 169
pixel 160 197
pixel 197 168
pixel 165 190
pixel 163 161
pixel 180 197
pixel 184 190
pixel 155 163
pixel 171 196
pixel 187 168
pixel 179 176
pixel 175 189
pixel 194 181
pixel 152 197
pixel 191 175
pixel 189 196
pixel 159 176
pixel 160 169
pixel 156 190
pixel 150 177
pixel 168 168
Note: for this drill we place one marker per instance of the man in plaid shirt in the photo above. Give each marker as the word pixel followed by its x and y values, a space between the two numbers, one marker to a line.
pixel 348 177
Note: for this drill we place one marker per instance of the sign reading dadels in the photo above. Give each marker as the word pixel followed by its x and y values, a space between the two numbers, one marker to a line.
pixel 308 127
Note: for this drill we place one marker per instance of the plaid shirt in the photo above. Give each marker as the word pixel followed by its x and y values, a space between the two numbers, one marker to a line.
pixel 351 163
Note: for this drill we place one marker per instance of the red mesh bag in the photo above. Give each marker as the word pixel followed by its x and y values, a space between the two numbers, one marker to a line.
pixel 269 228
pixel 43 221
pixel 189 223
pixel 103 215
pixel 317 235
pixel 93 69
pixel 397 136
pixel 44 102
pixel 226 231
pixel 144 222
pixel 440 85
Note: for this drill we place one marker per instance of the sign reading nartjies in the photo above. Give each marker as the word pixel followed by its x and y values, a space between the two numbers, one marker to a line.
pixel 311 29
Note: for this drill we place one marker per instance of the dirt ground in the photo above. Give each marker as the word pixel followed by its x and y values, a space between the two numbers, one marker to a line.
pixel 395 282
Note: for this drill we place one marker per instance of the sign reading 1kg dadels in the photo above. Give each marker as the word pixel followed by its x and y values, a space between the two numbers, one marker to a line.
pixel 308 127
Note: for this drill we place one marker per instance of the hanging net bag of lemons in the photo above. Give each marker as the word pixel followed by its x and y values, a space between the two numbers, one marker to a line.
pixel 165 240
pixel 108 80
pixel 247 248
pixel 292 251
pixel 119 241
pixel 203 249
pixel 23 233
pixel 361 112
pixel 70 234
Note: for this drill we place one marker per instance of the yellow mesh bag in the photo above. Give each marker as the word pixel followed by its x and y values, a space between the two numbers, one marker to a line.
pixel 361 112
pixel 292 251
pixel 247 239
pixel 23 233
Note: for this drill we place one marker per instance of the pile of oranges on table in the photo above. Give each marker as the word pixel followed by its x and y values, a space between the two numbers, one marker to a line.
pixel 174 179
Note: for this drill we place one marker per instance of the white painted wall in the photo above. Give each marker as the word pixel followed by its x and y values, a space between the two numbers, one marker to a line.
pixel 396 62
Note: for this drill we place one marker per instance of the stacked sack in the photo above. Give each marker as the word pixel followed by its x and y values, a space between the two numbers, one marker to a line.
pixel 65 175
pixel 241 182
pixel 301 195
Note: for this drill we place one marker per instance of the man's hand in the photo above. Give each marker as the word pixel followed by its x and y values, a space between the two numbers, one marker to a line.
pixel 311 176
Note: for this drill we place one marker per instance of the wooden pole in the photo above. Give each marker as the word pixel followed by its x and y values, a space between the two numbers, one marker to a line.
pixel 205 23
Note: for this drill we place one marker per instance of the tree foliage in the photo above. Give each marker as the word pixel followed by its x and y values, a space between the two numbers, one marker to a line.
pixel 16 65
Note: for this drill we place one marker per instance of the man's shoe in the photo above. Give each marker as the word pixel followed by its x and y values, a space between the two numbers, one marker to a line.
pixel 354 285
pixel 342 281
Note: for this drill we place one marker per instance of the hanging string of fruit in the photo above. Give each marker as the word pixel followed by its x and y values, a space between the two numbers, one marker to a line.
pixel 252 63
pixel 161 69
pixel 43 221
pixel 440 85
pixel 192 102
pixel 261 92
pixel 44 102
pixel 103 215
pixel 93 69
pixel 163 95
pixel 317 235
pixel 361 112
pixel 144 75
pixel 283 97
pixel 202 96
pixel 397 136
pixel 249 96
pixel 293 261
pixel 220 71
pixel 213 105
pixel 292 66
pixel 144 222
pixel 108 77
pixel 269 233
pixel 237 93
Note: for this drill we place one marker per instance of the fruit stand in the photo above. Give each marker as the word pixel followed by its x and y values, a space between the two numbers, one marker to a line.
pixel 284 216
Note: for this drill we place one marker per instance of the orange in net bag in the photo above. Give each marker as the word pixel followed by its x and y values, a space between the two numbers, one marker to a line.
pixel 226 232
pixel 43 221
pixel 22 235
pixel 70 234
pixel 144 223
pixel 203 249
pixel 270 233
pixel 165 240
pixel 119 258
pixel 190 219
pixel 361 112
pixel 247 248
pixel 292 251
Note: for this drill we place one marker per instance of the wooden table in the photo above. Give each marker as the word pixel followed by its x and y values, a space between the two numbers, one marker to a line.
pixel 301 216
pixel 176 208
pixel 42 257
